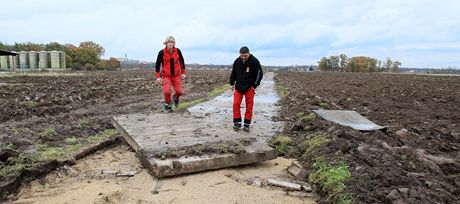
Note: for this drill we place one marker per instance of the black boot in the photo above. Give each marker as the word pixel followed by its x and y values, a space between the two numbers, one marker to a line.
pixel 246 127
pixel 236 125
pixel 176 101
pixel 168 107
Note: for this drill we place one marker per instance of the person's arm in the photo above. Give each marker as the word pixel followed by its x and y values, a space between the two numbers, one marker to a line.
pixel 259 74
pixel 158 64
pixel 181 61
pixel 233 75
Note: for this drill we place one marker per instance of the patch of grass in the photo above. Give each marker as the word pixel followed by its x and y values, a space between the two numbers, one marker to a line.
pixel 47 133
pixel 50 153
pixel 30 104
pixel 408 160
pixel 200 149
pixel 331 178
pixel 308 118
pixel 348 99
pixel 219 90
pixel 238 149
pixel 170 153
pixel 45 153
pixel 17 131
pixel 84 123
pixel 17 165
pixel 215 92
pixel 102 136
pixel 281 143
pixel 221 148
pixel 282 90
pixel 12 146
pixel 300 115
pixel 197 149
pixel 71 140
pixel 324 105
pixel 313 143
pixel 186 104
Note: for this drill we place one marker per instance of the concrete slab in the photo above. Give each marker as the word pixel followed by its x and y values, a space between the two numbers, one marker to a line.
pixel 151 134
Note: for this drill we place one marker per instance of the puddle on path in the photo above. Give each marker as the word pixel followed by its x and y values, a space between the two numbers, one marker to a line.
pixel 219 111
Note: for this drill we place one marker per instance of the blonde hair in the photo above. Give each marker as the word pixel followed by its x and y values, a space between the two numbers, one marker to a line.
pixel 169 39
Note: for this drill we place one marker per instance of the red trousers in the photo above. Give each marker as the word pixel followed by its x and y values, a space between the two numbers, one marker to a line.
pixel 176 82
pixel 237 98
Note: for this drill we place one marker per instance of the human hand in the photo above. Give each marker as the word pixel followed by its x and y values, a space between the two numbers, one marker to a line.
pixel 159 80
pixel 182 76
pixel 232 87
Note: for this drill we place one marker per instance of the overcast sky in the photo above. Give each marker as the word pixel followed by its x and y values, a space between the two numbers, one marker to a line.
pixel 419 33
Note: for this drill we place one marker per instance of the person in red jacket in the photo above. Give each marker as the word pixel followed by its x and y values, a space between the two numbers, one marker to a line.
pixel 172 73
pixel 246 76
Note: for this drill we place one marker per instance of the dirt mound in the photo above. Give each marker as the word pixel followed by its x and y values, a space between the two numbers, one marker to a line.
pixel 414 160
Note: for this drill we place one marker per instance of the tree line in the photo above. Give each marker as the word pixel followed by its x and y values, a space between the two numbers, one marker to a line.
pixel 85 56
pixel 342 63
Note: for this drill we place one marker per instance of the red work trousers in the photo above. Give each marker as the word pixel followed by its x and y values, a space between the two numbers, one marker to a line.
pixel 176 82
pixel 237 98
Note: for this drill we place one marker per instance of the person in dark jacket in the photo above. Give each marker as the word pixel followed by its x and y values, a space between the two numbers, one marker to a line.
pixel 246 76
pixel 172 73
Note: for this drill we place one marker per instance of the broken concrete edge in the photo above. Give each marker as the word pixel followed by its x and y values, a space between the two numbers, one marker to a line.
pixel 126 136
pixel 43 169
pixel 290 185
pixel 256 152
pixel 284 184
pixel 297 170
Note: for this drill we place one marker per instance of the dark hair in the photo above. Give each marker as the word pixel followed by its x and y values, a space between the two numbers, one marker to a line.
pixel 244 50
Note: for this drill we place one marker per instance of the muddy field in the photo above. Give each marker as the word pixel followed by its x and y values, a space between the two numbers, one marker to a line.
pixel 415 160
pixel 46 117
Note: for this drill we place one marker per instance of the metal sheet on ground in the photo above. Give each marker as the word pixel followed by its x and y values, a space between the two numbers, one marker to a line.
pixel 349 118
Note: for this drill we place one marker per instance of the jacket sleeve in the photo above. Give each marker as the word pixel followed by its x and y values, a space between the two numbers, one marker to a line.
pixel 158 64
pixel 233 75
pixel 181 61
pixel 259 74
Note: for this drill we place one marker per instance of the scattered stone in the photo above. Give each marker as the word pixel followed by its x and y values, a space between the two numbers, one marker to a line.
pixel 404 192
pixel 403 133
pixel 428 183
pixel 257 182
pixel 297 170
pixel 307 188
pixel 394 195
pixel 109 171
pixel 284 184
pixel 125 173
pixel 69 170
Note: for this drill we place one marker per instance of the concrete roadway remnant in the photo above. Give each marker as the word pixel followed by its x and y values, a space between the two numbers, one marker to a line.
pixel 151 134
pixel 205 124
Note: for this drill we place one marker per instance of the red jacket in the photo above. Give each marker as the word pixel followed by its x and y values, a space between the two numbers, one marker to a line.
pixel 173 64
